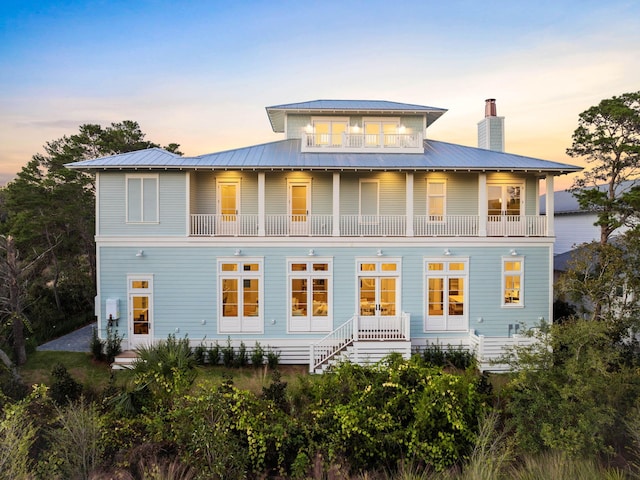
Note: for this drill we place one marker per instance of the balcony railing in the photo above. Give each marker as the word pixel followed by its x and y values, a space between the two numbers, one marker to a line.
pixel 369 226
pixel 361 142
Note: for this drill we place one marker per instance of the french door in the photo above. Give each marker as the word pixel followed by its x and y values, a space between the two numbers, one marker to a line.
pixel 227 207
pixel 299 193
pixel 378 297
pixel 505 208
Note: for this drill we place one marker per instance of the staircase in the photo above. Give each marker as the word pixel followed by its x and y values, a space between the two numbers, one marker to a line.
pixel 124 360
pixel 362 341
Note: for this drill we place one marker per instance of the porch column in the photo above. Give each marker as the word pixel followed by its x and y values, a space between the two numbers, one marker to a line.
pixel 261 201
pixel 483 206
pixel 550 206
pixel 409 205
pixel 336 204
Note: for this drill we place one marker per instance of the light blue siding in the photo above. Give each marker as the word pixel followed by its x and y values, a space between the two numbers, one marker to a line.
pixel 185 286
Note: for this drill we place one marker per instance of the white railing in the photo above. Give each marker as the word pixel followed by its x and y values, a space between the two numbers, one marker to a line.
pixel 224 225
pixel 327 347
pixel 491 350
pixel 516 226
pixel 369 225
pixel 373 225
pixel 446 225
pixel 360 142
pixel 300 225
pixel 383 328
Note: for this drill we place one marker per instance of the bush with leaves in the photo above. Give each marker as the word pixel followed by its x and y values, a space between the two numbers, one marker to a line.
pixel 64 388
pixel 571 391
pixel 376 415
pixel 257 355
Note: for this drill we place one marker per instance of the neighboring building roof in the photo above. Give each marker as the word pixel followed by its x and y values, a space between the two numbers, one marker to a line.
pixel 564 202
pixel 286 155
pixel 276 113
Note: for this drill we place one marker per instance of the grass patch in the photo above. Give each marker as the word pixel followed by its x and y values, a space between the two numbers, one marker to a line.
pixel 79 364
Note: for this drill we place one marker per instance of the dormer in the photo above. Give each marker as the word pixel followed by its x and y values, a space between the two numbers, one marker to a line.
pixel 354 126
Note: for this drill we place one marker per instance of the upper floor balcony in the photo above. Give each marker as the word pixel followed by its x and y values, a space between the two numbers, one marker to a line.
pixel 369 225
pixel 363 142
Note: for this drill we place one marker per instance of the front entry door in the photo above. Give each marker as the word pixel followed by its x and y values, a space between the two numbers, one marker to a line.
pixel 140 312
pixel 228 202
pixel 299 201
pixel 505 202
pixel 378 295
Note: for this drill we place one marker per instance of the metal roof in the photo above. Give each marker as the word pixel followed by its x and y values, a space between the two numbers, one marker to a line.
pixel 286 155
pixel 277 113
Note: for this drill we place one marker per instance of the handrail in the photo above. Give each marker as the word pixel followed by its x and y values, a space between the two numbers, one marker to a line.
pixel 328 346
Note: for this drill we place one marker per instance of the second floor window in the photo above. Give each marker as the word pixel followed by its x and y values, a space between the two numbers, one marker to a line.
pixel 436 200
pixel 142 198
pixel 329 132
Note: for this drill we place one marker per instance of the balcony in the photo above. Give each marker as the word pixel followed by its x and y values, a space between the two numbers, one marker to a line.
pixel 367 226
pixel 363 143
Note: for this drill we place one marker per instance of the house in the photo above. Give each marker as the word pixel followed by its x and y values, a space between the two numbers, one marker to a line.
pixel 355 235
pixel 574 226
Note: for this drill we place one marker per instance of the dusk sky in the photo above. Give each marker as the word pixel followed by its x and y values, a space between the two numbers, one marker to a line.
pixel 199 73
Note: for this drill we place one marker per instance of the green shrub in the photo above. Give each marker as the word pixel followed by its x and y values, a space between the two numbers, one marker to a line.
pixel 214 354
pixel 64 389
pixel 96 346
pixel 200 354
pixel 113 346
pixel 241 359
pixel 257 356
pixel 228 354
pixel 273 358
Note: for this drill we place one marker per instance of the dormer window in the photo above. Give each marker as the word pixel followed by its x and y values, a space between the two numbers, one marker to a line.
pixel 382 132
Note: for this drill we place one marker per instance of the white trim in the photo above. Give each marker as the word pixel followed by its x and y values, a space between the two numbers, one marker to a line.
pixel 97 212
pixel 187 219
pixel 336 204
pixel 228 181
pixel 521 296
pixel 379 273
pixel 409 182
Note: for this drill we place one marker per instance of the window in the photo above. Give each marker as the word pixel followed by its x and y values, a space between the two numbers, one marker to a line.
pixel 381 132
pixel 329 132
pixel 512 282
pixel 436 195
pixel 142 198
pixel 310 295
pixel 140 294
pixel 446 294
pixel 369 199
pixel 240 287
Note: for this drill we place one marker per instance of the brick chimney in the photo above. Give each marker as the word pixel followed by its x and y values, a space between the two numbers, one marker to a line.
pixel 491 128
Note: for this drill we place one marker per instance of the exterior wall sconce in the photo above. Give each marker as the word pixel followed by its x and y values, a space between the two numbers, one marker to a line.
pixel 513 252
pixel 312 252
pixel 238 252
pixel 308 128
pixel 355 128
pixel 379 253
pixel 140 253
pixel 447 252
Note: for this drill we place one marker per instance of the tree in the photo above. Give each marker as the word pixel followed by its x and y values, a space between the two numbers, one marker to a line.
pixel 608 137
pixel 50 208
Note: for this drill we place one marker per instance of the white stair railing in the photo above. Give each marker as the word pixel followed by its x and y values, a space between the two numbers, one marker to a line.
pixel 327 347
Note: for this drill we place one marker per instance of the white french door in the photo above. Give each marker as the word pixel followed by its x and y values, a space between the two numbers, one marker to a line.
pixel 505 209
pixel 378 295
pixel 299 199
pixel 228 195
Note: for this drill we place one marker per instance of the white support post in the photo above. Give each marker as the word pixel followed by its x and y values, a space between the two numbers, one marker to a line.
pixel 261 204
pixel 409 205
pixel 483 206
pixel 336 204
pixel 550 206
